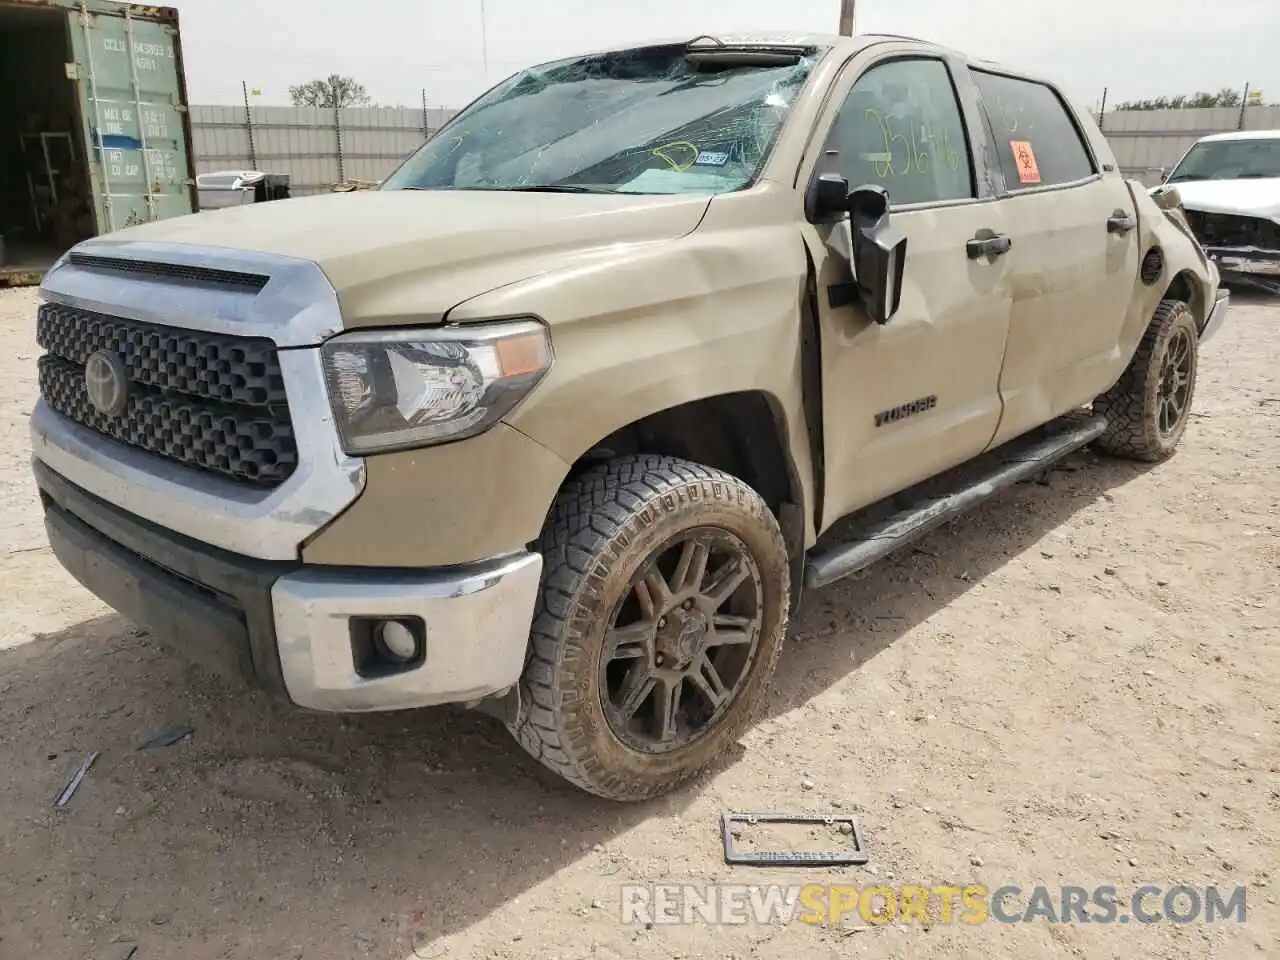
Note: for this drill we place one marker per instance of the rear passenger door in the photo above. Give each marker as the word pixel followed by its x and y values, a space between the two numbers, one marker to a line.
pixel 1074 254
pixel 919 394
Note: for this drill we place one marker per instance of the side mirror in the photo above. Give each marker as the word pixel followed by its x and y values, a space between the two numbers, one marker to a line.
pixel 1166 197
pixel 879 255
pixel 827 199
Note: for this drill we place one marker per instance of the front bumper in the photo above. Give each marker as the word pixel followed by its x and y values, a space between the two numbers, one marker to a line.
pixel 1246 260
pixel 1217 315
pixel 288 628
pixel 1249 266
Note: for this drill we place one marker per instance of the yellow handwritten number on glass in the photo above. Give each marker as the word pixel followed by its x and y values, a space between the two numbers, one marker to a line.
pixel 663 153
pixel 886 165
pixel 917 156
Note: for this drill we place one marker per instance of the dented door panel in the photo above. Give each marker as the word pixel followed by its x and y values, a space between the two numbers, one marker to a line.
pixel 1071 284
pixel 1075 251
pixel 905 400
pixel 919 394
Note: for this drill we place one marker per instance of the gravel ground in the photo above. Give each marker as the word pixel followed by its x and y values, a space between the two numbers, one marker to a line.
pixel 1077 684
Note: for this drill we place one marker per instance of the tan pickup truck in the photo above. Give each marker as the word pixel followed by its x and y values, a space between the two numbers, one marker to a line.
pixel 559 420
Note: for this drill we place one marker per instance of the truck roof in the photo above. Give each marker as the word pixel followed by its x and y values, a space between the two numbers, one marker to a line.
pixel 1242 135
pixel 842 44
pixel 789 38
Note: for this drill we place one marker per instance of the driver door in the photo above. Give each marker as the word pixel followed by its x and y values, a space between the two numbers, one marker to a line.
pixel 920 394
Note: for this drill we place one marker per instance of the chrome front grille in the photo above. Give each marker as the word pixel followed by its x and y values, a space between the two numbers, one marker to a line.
pixel 214 402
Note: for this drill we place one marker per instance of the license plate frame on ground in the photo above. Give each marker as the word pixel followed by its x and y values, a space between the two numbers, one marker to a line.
pixel 854 856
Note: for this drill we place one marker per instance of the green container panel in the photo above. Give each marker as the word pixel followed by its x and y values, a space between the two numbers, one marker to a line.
pixel 128 73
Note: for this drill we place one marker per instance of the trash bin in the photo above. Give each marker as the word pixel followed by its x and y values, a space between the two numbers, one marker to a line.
pixel 235 188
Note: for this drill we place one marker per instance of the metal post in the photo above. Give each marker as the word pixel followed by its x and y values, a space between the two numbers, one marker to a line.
pixel 426 119
pixel 1102 110
pixel 248 125
pixel 846 17
pixel 1244 102
pixel 152 182
pixel 103 161
pixel 484 41
pixel 337 128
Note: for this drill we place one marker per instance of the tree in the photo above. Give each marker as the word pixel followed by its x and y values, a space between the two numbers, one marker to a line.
pixel 1226 97
pixel 333 91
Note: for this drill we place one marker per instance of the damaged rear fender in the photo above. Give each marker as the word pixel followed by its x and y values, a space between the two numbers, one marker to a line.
pixel 1184 271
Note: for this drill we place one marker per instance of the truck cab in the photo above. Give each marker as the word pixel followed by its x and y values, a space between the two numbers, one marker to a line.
pixel 562 418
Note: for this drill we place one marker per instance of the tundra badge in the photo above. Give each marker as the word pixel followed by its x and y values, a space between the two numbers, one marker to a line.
pixel 894 414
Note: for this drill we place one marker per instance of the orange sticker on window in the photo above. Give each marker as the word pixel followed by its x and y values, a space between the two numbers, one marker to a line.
pixel 1025 158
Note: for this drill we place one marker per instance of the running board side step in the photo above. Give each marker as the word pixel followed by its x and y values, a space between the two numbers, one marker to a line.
pixel 1016 461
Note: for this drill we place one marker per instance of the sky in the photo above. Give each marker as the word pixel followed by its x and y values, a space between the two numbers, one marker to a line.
pixel 399 48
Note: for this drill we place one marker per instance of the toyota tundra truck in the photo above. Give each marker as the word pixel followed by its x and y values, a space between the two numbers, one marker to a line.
pixel 559 420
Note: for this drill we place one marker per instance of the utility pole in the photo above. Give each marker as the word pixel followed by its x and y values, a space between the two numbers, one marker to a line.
pixel 484 42
pixel 846 17
pixel 248 126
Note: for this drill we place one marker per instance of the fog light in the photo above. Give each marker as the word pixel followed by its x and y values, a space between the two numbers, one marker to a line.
pixel 395 641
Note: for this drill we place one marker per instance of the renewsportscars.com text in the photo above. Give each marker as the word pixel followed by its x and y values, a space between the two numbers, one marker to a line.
pixel 832 904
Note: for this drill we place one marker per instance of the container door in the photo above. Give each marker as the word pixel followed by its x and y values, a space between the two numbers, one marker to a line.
pixel 131 99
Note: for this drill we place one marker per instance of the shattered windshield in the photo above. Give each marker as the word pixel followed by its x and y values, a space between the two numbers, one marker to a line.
pixel 1230 160
pixel 647 120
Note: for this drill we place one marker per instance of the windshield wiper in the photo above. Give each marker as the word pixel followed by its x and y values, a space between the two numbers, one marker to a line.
pixel 524 188
pixel 545 188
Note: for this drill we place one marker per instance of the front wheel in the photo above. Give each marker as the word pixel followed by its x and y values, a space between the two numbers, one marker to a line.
pixel 1148 408
pixel 663 609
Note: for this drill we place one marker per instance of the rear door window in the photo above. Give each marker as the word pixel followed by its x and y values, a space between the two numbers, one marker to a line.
pixel 1037 139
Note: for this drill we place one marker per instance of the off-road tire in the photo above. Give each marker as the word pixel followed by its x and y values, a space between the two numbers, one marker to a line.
pixel 1131 407
pixel 603 527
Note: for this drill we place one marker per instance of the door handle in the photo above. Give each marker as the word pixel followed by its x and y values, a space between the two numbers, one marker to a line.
pixel 1120 223
pixel 988 247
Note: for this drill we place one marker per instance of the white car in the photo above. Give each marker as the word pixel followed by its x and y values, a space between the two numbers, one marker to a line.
pixel 1229 184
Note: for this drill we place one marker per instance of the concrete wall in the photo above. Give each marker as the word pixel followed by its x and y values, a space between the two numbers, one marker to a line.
pixel 1145 140
pixel 318 148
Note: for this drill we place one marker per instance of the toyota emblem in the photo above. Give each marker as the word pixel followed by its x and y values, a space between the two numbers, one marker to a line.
pixel 107 382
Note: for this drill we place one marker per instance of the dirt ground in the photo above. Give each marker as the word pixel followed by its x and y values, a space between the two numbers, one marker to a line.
pixel 1078 684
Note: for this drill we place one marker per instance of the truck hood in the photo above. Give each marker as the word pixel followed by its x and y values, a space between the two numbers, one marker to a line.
pixel 1249 198
pixel 408 256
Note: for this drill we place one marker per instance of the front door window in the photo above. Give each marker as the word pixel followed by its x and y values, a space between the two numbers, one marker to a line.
pixel 900 128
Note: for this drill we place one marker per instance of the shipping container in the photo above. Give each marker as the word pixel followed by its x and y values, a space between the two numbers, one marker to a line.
pixel 95 134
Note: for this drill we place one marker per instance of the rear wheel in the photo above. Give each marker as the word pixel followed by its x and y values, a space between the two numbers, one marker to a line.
pixel 1148 408
pixel 662 614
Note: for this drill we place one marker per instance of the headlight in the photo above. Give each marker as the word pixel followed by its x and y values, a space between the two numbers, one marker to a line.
pixel 410 388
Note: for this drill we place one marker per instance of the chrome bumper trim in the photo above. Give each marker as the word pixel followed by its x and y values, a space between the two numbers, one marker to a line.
pixel 296 307
pixel 266 524
pixel 477 618
pixel 1217 316
pixel 1249 260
